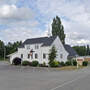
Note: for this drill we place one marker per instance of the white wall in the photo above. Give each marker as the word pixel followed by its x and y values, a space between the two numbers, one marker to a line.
pixel 60 50
pixel 26 51
pixel 57 43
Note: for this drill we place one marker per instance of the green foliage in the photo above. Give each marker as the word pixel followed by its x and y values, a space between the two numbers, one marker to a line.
pixel 9 48
pixel 54 64
pixel 25 63
pixel 85 63
pixel 58 29
pixel 74 63
pixel 82 50
pixel 68 63
pixel 43 65
pixel 52 54
pixel 12 47
pixel 62 63
pixel 2 47
pixel 87 50
pixel 35 63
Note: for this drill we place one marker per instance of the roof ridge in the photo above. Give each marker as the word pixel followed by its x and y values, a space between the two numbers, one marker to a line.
pixel 47 41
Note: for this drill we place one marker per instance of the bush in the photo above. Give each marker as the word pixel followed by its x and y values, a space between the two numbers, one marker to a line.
pixel 16 61
pixel 68 63
pixel 74 63
pixel 54 64
pixel 35 63
pixel 85 63
pixel 26 63
pixel 62 63
pixel 43 65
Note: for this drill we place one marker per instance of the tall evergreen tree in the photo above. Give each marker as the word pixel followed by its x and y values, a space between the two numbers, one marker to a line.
pixel 52 54
pixel 58 29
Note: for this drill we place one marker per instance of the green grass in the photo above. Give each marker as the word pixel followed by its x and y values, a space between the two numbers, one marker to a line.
pixel 69 68
pixel 2 59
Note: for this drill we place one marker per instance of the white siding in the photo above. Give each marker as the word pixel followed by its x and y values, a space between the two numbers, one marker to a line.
pixel 60 50
pixel 40 51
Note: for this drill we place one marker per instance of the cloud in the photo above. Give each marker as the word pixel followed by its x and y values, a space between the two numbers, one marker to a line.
pixel 17 23
pixel 7 2
pixel 18 34
pixel 13 12
pixel 38 15
pixel 77 38
pixel 75 16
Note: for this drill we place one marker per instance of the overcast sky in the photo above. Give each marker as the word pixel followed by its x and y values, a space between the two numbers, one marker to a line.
pixel 22 19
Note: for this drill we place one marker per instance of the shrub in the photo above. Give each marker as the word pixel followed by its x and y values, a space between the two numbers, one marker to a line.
pixel 68 63
pixel 54 64
pixel 35 63
pixel 26 63
pixel 62 63
pixel 16 61
pixel 74 63
pixel 85 63
pixel 43 65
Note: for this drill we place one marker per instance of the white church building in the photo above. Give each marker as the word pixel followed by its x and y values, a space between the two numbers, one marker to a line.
pixel 39 49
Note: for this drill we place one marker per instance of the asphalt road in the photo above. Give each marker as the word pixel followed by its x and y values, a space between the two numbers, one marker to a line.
pixel 20 78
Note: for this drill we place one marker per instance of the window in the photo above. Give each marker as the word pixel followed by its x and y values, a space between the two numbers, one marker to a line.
pixel 32 56
pixel 28 56
pixel 44 56
pixel 36 56
pixel 36 46
pixel 21 55
pixel 61 56
pixel 28 46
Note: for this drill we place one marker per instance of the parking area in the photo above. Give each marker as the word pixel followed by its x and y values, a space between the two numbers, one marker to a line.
pixel 24 78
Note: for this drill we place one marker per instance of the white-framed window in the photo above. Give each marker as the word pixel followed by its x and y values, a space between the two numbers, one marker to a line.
pixel 36 56
pixel 32 56
pixel 44 56
pixel 21 55
pixel 28 56
pixel 36 46
pixel 28 46
pixel 61 56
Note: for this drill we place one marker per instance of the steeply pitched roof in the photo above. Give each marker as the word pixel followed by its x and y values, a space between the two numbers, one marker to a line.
pixel 46 41
pixel 70 50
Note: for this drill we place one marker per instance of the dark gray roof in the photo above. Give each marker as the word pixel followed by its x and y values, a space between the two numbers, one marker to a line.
pixel 71 51
pixel 46 41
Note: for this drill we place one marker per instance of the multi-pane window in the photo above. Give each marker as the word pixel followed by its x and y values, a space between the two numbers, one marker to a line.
pixel 36 55
pixel 28 56
pixel 44 56
pixel 21 55
pixel 61 56
pixel 32 56
pixel 36 46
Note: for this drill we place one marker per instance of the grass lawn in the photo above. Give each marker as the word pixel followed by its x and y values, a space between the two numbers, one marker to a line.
pixel 69 68
pixel 2 59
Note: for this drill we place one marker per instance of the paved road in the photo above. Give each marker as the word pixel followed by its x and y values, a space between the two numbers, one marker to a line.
pixel 17 78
